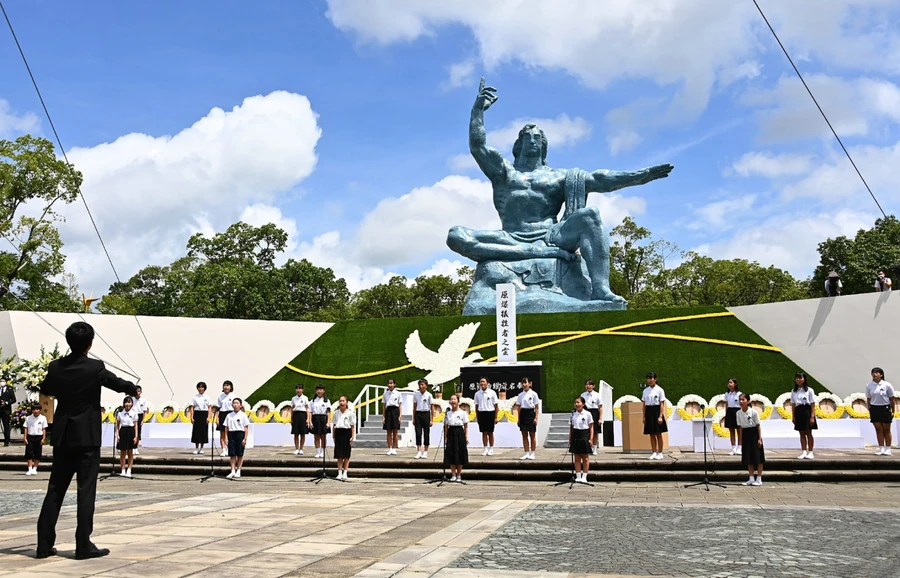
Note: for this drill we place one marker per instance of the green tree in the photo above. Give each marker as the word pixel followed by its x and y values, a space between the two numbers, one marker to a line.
pixel 31 260
pixel 857 260
pixel 426 296
pixel 636 258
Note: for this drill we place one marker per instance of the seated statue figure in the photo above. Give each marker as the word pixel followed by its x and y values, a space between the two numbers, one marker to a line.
pixel 534 249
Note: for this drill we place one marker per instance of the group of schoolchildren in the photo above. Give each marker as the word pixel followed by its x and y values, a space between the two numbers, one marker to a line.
pixel 316 416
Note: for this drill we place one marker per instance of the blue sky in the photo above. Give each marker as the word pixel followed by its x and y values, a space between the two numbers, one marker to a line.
pixel 345 121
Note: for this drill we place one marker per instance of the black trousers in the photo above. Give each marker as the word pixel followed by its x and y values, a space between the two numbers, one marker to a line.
pixel 68 461
pixel 421 421
pixel 5 413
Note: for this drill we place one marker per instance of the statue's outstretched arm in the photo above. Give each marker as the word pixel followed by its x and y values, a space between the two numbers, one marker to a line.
pixel 488 158
pixel 606 181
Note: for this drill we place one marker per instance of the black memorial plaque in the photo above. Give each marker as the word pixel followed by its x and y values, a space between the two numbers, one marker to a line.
pixel 506 378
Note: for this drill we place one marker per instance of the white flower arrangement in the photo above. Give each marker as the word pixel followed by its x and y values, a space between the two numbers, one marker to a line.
pixel 717 426
pixel 278 410
pixel 617 406
pixel 851 400
pixel 838 406
pixel 714 402
pixel 150 412
pixel 682 407
pixel 162 417
pixel 263 403
pixel 779 405
pixel 768 407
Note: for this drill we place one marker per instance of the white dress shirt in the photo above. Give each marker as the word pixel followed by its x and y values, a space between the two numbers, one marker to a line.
pixel 35 425
pixel 732 398
pixel 653 395
pixel 200 402
pixel 458 417
pixel 528 399
pixel 801 397
pixel 320 406
pixel 879 393
pixel 486 400
pixel 224 402
pixel 581 419
pixel 139 405
pixel 127 418
pixel 237 421
pixel 345 420
pixel 422 401
pixel 747 419
pixel 300 403
pixel 592 399
pixel 391 398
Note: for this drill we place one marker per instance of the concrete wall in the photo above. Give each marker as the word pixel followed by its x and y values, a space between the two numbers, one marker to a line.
pixel 189 350
pixel 836 339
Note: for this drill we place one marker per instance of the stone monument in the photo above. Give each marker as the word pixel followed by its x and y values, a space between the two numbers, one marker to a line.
pixel 557 264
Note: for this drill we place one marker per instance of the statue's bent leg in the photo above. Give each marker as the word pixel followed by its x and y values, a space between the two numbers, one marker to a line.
pixel 486 245
pixel 584 230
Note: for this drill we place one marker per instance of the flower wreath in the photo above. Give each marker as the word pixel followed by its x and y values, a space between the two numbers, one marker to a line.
pixel 617 406
pixel 838 406
pixel 682 406
pixel 717 426
pixel 766 413
pixel 779 406
pixel 161 414
pixel 713 405
pixel 278 417
pixel 848 405
pixel 257 406
pixel 149 414
pixel 109 416
pixel 897 396
pixel 183 415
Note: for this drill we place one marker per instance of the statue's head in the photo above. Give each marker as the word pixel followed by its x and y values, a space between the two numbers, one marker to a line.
pixel 531 139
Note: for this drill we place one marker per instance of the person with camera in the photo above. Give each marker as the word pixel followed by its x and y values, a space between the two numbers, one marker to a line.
pixel 882 282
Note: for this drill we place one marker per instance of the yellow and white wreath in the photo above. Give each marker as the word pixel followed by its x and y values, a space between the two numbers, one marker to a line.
pixel 617 406
pixel 838 406
pixel 714 402
pixel 764 401
pixel 717 426
pixel 779 406
pixel 169 412
pixel 278 411
pixel 683 403
pixel 267 414
pixel 856 406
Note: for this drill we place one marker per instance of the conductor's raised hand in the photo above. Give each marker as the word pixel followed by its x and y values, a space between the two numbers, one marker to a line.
pixel 486 96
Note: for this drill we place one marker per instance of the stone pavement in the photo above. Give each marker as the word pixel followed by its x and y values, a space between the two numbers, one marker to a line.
pixel 172 526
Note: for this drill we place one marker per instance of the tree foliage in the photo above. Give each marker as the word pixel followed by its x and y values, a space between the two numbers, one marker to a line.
pixel 857 260
pixel 426 296
pixel 33 184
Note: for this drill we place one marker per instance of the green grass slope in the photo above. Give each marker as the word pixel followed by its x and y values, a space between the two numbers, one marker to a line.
pixel 364 346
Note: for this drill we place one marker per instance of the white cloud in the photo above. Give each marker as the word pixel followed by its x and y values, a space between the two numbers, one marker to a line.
pixel 623 141
pixel 720 213
pixel 259 214
pixel 459 74
pixel 560 131
pixel 788 241
pixel 328 250
pixel 444 267
pixel 12 123
pixel 766 164
pixel 462 162
pixel 148 194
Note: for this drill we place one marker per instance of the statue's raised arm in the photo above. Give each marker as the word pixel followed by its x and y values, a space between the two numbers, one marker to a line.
pixel 606 181
pixel 488 158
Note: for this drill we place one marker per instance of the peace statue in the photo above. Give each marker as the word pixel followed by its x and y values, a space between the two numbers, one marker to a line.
pixel 534 250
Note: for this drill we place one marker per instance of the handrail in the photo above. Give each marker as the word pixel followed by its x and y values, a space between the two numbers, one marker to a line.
pixel 369 396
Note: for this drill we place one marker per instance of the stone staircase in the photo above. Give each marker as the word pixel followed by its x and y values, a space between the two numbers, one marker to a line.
pixel 558 436
pixel 371 435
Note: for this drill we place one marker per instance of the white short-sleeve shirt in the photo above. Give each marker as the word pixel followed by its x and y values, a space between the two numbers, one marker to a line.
pixel 592 399
pixel 345 420
pixel 237 421
pixel 139 405
pixel 801 397
pixel 224 402
pixel 528 399
pixel 422 401
pixel 458 417
pixel 581 420
pixel 300 403
pixel 391 398
pixel 127 418
pixel 879 393
pixel 653 395
pixel 486 400
pixel 747 419
pixel 732 398
pixel 200 402
pixel 887 284
pixel 35 425
pixel 320 405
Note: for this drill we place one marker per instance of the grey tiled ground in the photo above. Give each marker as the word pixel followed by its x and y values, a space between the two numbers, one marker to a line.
pixel 16 502
pixel 693 541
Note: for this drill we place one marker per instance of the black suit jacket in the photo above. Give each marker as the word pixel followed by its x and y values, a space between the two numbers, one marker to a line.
pixel 8 397
pixel 75 382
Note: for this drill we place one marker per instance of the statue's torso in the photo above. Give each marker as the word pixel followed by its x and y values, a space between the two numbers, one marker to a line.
pixel 528 201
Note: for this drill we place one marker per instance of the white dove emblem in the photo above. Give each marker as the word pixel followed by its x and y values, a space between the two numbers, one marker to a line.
pixel 442 365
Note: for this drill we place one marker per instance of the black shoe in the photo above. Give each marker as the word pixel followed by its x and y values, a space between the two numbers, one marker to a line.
pixel 94 553
pixel 45 553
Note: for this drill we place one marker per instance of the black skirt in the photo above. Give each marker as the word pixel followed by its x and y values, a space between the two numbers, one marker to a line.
pixel 731 417
pixel 320 424
pixel 485 421
pixel 802 413
pixel 456 452
pixel 651 425
pixel 581 442
pixel 880 414
pixel 341 443
pixel 526 420
pixel 751 452
pixel 126 438
pixel 299 423
pixel 200 431
pixel 391 417
pixel 221 425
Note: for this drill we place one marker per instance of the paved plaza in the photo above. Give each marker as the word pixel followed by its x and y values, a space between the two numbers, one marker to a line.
pixel 172 526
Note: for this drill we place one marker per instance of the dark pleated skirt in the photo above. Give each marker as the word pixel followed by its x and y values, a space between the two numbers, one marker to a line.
pixel 731 417
pixel 221 425
pixel 751 452
pixel 595 413
pixel 456 452
pixel 320 424
pixel 299 423
pixel 651 426
pixel 200 431
pixel 126 438
pixel 391 418
pixel 581 442
pixel 526 420
pixel 802 414
pixel 341 443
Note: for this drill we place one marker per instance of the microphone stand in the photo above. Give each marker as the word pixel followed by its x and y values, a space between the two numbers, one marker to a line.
pixel 112 469
pixel 323 475
pixel 706 483
pixel 212 454
pixel 443 479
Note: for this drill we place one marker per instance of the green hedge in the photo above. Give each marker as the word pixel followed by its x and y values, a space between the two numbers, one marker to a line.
pixel 352 347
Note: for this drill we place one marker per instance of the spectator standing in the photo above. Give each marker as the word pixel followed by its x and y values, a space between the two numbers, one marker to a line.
pixel 833 284
pixel 882 282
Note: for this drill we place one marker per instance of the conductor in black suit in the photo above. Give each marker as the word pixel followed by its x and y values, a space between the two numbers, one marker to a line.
pixel 75 381
pixel 7 399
